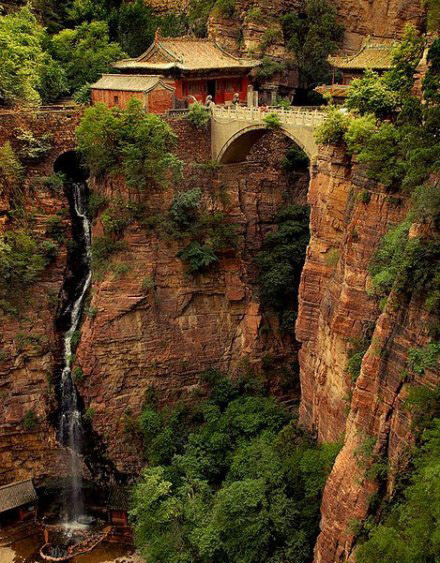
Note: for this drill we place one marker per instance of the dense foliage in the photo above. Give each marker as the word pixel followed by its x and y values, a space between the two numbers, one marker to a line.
pixel 231 479
pixel 27 73
pixel 205 234
pixel 280 263
pixel 312 34
pixel 131 141
pixel 409 533
pixel 85 52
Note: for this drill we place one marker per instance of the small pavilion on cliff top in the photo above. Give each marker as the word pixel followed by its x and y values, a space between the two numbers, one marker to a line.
pixel 375 54
pixel 194 67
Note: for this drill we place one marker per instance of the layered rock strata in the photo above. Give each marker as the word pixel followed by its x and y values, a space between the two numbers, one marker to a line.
pixel 166 335
pixel 349 215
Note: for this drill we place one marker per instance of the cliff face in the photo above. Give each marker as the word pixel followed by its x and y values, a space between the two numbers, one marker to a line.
pixel 255 20
pixel 164 336
pixel 377 18
pixel 148 323
pixel 335 311
pixel 28 340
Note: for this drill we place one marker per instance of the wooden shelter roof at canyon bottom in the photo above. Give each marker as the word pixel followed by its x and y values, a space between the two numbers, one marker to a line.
pixel 375 53
pixel 17 494
pixel 186 54
pixel 130 82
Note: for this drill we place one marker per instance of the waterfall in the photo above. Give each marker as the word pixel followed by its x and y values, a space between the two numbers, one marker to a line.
pixel 70 426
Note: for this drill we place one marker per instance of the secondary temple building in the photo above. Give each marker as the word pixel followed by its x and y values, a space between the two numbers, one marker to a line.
pixel 193 68
pixel 17 502
pixel 375 54
pixel 156 95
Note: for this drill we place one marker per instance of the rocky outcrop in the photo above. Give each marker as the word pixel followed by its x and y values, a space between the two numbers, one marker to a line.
pixel 254 22
pixel 377 18
pixel 349 214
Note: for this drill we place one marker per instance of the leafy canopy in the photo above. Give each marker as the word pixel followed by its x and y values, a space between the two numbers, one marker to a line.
pixel 85 52
pixel 311 36
pixel 232 480
pixel 22 58
pixel 130 141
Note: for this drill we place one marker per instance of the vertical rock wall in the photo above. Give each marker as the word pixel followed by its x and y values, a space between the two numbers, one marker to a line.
pixel 335 308
pixel 28 340
pixel 166 335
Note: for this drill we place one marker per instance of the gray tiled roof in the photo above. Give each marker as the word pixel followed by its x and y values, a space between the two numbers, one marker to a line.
pixel 186 53
pixel 375 53
pixel 129 82
pixel 17 494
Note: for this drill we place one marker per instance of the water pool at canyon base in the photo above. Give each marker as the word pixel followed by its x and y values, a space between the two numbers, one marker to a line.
pixel 27 551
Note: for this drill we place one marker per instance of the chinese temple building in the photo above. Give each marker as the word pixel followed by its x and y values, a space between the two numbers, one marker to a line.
pixel 156 95
pixel 375 54
pixel 194 67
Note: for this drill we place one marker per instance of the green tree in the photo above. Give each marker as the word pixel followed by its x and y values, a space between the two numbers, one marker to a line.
pixel 134 26
pixel 53 81
pixel 130 141
pixel 410 533
pixel 372 94
pixel 85 52
pixel 280 262
pixel 22 57
pixel 243 485
pixel 311 36
pixel 406 56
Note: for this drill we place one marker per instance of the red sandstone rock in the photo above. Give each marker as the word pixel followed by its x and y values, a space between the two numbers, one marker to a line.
pixel 334 307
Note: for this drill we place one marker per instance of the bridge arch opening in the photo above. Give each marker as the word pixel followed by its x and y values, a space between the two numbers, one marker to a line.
pixel 238 147
pixel 69 164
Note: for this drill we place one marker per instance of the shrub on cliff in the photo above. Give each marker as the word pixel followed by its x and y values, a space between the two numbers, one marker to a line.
pixel 199 257
pixel 238 481
pixel 23 258
pixel 410 532
pixel 11 173
pixel 281 260
pixel 333 129
pixel 131 141
pixel 199 115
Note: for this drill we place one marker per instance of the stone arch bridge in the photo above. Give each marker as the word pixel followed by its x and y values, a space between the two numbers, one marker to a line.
pixel 235 130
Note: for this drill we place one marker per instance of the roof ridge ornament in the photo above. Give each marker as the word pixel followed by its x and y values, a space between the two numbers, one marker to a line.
pixel 157 36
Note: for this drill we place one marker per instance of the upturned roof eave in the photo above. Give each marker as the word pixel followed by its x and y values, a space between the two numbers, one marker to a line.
pixel 168 66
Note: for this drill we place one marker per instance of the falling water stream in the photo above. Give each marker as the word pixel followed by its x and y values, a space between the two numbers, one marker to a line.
pixel 70 426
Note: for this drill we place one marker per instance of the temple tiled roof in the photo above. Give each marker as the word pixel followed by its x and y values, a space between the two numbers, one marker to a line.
pixel 335 90
pixel 17 494
pixel 375 53
pixel 129 82
pixel 185 53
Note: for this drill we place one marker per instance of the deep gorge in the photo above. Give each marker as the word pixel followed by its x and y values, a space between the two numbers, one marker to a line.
pixel 162 333
pixel 229 362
